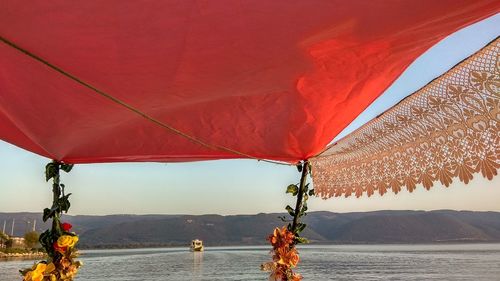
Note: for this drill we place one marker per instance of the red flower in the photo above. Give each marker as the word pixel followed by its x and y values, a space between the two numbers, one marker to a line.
pixel 59 249
pixel 66 226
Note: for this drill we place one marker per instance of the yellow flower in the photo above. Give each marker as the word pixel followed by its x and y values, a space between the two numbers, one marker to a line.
pixel 67 241
pixel 36 274
pixel 50 267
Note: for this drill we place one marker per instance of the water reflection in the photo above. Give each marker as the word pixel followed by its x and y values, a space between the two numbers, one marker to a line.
pixel 339 262
pixel 197 265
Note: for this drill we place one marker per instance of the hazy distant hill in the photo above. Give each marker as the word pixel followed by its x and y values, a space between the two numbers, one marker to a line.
pixel 323 227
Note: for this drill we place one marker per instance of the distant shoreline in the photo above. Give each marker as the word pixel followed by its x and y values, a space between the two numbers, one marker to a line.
pixel 21 256
pixel 125 247
pixel 40 255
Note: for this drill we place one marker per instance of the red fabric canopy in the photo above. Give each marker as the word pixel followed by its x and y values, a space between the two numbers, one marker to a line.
pixel 267 79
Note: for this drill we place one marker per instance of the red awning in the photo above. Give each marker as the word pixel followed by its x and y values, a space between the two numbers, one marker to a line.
pixel 110 81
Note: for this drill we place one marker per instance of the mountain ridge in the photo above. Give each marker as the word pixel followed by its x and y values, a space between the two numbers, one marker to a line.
pixel 377 227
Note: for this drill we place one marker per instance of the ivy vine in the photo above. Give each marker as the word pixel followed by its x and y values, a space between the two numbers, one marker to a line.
pixel 60 204
pixel 302 192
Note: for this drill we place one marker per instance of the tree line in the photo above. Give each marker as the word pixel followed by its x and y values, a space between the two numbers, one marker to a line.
pixel 30 240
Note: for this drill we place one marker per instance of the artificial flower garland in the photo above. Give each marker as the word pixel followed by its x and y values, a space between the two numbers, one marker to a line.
pixel 285 256
pixel 59 242
pixel 284 253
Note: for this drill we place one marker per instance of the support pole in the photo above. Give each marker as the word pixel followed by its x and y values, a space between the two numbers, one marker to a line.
pixel 58 242
pixel 300 194
pixel 56 191
pixel 285 240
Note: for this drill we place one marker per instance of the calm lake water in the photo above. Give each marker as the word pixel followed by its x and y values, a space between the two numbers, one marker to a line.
pixel 339 262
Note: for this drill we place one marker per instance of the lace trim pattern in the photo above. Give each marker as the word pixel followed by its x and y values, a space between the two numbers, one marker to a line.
pixel 448 129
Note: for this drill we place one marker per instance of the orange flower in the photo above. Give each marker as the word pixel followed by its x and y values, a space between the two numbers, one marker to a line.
pixel 296 277
pixel 65 263
pixel 281 237
pixel 276 275
pixel 285 256
pixel 293 258
pixel 288 257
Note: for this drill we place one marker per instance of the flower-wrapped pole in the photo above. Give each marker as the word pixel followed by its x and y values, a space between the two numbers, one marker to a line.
pixel 58 242
pixel 298 212
pixel 284 240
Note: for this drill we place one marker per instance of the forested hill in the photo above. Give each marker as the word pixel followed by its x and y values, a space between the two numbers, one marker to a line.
pixel 323 227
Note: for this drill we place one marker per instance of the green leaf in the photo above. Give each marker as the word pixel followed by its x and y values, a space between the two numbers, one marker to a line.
pixel 292 188
pixel 283 218
pixel 311 192
pixel 300 227
pixel 50 171
pixel 46 241
pixel 303 210
pixel 24 271
pixel 301 240
pixel 48 213
pixel 63 203
pixel 66 167
pixel 290 210
pixel 299 168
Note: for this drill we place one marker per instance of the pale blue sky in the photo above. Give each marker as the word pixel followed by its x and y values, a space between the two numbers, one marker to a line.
pixel 242 186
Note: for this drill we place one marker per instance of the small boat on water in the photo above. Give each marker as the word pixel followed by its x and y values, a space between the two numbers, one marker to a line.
pixel 196 246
